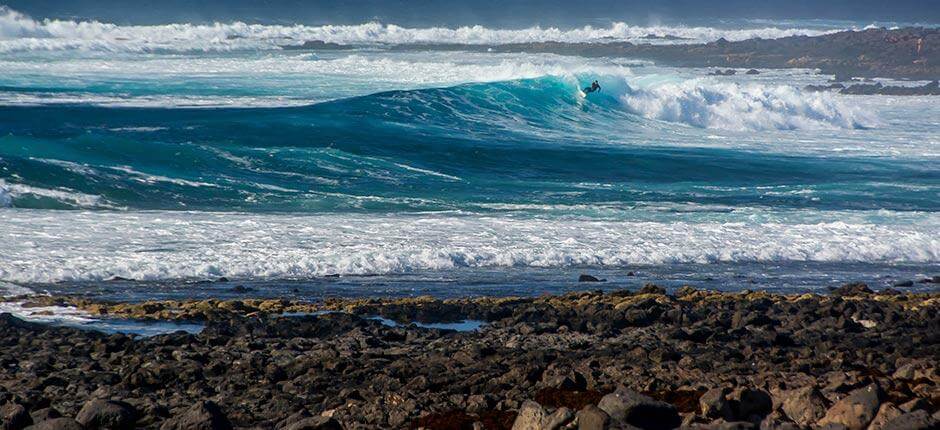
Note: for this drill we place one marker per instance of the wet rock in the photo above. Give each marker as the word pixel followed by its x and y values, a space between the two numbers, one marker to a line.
pixel 904 284
pixel 589 278
pixel 629 407
pixel 728 72
pixel 856 410
pixel 804 406
pixel 14 417
pixel 753 72
pixel 852 289
pixel 107 414
pixel 592 418
pixel 57 424
pixel 204 415
pixel 652 289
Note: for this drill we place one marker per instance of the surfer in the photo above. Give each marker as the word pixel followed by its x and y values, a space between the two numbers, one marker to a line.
pixel 594 87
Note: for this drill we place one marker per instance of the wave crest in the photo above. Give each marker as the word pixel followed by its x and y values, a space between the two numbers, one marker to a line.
pixel 733 106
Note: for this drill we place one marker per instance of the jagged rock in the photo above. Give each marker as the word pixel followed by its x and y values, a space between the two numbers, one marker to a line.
pixel 629 407
pixel 589 278
pixel 57 424
pixel 203 415
pixel 917 420
pixel 856 410
pixel 714 404
pixel 886 412
pixel 804 406
pixel 14 417
pixel 531 416
pixel 592 418
pixel 107 414
pixel 557 419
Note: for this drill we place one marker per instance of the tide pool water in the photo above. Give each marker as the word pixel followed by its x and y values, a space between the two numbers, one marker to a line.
pixel 166 155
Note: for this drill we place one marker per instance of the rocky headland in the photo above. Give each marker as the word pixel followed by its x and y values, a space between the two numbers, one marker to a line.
pixel 852 359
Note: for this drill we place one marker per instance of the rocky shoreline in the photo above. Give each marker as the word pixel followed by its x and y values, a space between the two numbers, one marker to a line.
pixel 854 359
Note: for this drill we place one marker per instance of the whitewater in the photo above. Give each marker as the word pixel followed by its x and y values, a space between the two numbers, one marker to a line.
pixel 155 158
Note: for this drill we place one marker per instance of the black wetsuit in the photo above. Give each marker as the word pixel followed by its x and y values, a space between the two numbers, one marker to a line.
pixel 594 87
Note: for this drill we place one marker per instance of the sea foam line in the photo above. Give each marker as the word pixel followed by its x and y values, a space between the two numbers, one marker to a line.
pixel 19 32
pixel 83 246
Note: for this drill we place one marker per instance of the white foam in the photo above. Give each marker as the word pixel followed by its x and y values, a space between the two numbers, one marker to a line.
pixel 93 245
pixel 9 192
pixel 736 106
pixel 11 290
pixel 21 33
pixel 147 178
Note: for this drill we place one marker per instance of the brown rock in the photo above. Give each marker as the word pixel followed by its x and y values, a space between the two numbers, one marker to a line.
pixel 886 412
pixel 804 406
pixel 856 410
pixel 592 418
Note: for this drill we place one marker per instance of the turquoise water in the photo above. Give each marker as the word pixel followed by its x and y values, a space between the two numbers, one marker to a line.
pixel 157 155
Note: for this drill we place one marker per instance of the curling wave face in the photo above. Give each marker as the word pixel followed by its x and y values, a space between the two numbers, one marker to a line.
pixel 461 148
pixel 22 33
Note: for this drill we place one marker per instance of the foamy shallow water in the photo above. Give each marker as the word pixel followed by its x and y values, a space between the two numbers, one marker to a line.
pixel 55 246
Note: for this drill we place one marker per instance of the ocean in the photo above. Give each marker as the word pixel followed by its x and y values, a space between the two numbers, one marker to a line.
pixel 143 162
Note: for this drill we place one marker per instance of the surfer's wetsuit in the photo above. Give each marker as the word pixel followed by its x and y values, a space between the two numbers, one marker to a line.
pixel 594 87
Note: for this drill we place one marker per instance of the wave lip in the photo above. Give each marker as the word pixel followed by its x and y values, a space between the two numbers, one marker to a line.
pixel 743 107
pixel 18 32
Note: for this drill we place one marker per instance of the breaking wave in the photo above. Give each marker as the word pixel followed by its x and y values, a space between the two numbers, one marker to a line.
pixel 733 106
pixel 94 246
pixel 22 33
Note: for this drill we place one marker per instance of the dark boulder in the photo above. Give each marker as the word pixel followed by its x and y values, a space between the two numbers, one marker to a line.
pixel 204 415
pixel 652 289
pixel 630 407
pixel 852 289
pixel 107 414
pixel 14 417
pixel 589 278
